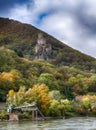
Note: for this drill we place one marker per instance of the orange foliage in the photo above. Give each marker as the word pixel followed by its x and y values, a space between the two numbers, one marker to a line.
pixel 40 93
pixel 7 76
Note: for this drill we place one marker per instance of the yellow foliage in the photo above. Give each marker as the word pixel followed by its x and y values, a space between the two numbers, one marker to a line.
pixel 11 93
pixel 20 95
pixel 40 88
pixel 54 103
pixel 65 101
pixel 11 97
pixel 7 76
pixel 40 93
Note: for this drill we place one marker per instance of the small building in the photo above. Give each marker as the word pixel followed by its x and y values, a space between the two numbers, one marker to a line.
pixel 13 111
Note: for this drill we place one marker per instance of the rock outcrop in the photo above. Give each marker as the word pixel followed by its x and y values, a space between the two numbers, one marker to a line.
pixel 42 49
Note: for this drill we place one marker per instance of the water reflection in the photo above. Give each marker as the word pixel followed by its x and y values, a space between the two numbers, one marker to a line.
pixel 68 124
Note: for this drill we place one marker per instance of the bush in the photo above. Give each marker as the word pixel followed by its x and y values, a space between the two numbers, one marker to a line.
pixel 3 115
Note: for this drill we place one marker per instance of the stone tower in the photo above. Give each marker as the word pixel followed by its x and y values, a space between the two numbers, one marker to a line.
pixel 42 49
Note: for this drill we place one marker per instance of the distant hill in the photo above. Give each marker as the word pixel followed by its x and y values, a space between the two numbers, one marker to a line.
pixel 23 39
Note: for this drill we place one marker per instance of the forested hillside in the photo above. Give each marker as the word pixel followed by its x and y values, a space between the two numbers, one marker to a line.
pixel 22 38
pixel 36 66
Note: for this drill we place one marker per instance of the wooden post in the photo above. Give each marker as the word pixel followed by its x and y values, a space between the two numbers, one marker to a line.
pixel 36 114
pixel 33 115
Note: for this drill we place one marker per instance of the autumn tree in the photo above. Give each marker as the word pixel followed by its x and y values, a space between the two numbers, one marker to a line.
pixel 40 94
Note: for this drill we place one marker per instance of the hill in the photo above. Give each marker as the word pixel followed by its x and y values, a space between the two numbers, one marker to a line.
pixel 34 66
pixel 23 39
pixel 29 56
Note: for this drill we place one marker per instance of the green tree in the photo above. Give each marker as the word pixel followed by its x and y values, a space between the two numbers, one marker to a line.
pixel 55 94
pixel 49 80
pixel 54 108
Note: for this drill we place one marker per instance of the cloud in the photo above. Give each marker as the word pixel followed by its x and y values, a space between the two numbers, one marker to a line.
pixel 21 13
pixel 36 8
pixel 71 21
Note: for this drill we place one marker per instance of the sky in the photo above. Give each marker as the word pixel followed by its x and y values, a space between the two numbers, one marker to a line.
pixel 70 21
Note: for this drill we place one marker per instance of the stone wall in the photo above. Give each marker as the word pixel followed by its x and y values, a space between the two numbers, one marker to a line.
pixel 13 117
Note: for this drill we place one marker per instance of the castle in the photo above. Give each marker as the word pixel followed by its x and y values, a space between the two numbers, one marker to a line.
pixel 42 49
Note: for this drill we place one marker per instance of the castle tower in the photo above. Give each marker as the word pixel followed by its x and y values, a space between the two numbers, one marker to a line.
pixel 42 49
pixel 41 40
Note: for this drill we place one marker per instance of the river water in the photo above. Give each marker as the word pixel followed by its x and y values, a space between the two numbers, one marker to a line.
pixel 80 123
